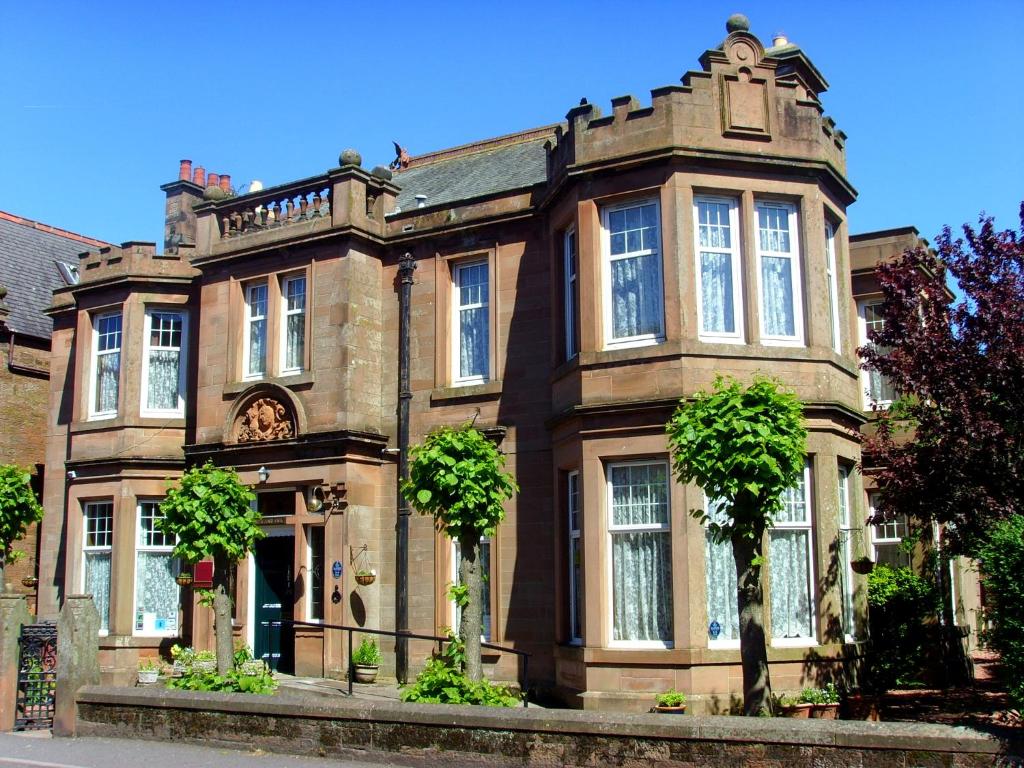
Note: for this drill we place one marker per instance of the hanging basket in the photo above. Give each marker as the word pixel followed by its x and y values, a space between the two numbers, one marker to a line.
pixel 863 566
pixel 366 578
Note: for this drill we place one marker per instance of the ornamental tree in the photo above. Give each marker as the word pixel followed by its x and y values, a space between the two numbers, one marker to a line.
pixel 744 446
pixel 210 513
pixel 456 476
pixel 960 363
pixel 19 508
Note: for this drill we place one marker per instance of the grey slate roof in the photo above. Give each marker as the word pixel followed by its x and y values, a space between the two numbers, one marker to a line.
pixel 469 176
pixel 28 269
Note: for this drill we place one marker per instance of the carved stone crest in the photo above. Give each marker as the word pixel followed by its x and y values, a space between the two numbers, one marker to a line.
pixel 265 419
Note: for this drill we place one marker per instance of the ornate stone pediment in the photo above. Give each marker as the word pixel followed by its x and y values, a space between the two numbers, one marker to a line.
pixel 265 419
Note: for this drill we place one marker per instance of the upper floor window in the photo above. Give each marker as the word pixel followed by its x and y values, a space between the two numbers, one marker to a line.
pixel 720 307
pixel 97 545
pixel 575 558
pixel 106 351
pixel 571 295
pixel 294 328
pixel 832 277
pixel 878 390
pixel 256 330
pixel 156 591
pixel 163 369
pixel 634 312
pixel 471 335
pixel 887 537
pixel 778 256
pixel 791 567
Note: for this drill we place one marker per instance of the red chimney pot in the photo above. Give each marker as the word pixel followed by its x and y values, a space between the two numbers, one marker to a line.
pixel 185 170
pixel 225 182
pixel 212 180
pixel 199 176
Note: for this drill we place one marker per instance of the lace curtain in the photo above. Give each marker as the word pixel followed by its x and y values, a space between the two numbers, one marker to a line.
pixel 108 366
pixel 716 293
pixel 473 342
pixel 790 583
pixel 257 346
pixel 720 580
pixel 97 583
pixel 163 380
pixel 296 341
pixel 636 296
pixel 777 284
pixel 156 591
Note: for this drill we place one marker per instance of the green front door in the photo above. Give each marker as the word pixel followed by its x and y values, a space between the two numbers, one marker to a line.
pixel 274 601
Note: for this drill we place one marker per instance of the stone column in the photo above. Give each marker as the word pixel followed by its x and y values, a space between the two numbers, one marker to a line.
pixel 78 662
pixel 13 614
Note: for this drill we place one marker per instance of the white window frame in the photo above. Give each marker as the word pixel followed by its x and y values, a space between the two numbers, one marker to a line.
pixel 286 313
pixel 575 543
pixel 846 554
pixel 832 275
pixel 250 318
pixel 98 549
pixel 485 637
pixel 142 546
pixel 644 339
pixel 725 643
pixel 182 363
pixel 309 574
pixel 665 528
pixel 733 252
pixel 94 413
pixel 865 374
pixel 457 308
pixel 571 265
pixel 796 340
pixel 808 526
pixel 887 534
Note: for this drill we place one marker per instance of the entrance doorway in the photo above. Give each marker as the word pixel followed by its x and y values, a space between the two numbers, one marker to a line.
pixel 274 601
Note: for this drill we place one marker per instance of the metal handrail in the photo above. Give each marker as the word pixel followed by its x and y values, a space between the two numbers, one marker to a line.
pixel 524 683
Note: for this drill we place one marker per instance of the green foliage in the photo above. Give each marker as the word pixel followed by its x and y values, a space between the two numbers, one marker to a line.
pixel 149 664
pixel 1002 567
pixel 827 695
pixel 671 698
pixel 455 476
pixel 246 674
pixel 367 653
pixel 210 514
pixel 442 683
pixel 900 602
pixel 743 445
pixel 459 594
pixel 19 508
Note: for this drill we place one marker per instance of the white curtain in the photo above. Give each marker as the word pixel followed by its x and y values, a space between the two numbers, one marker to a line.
pixel 845 556
pixel 257 346
pixel 155 588
pixel 108 367
pixel 777 284
pixel 642 573
pixel 716 293
pixel 296 341
pixel 720 581
pixel 473 342
pixel 636 296
pixel 163 379
pixel 97 583
pixel 790 583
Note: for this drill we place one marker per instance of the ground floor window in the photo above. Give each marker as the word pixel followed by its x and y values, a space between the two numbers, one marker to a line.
pixel 156 591
pixel 846 531
pixel 789 564
pixel 575 572
pixel 316 573
pixel 720 582
pixel 96 548
pixel 485 590
pixel 641 553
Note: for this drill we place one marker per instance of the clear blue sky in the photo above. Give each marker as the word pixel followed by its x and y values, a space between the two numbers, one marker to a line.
pixel 99 101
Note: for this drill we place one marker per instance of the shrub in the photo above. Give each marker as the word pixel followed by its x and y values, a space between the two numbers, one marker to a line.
pixel 367 654
pixel 1002 567
pixel 247 675
pixel 827 695
pixel 441 682
pixel 671 698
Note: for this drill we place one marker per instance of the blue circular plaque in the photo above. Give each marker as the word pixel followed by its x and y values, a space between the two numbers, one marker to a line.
pixel 714 629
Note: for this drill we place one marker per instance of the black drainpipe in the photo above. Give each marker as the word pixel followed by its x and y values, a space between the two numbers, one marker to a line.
pixel 406 266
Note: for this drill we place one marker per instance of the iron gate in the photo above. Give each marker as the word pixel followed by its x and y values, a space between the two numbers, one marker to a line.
pixel 37 676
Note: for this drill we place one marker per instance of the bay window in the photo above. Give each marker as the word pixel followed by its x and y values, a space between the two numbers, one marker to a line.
pixel 720 303
pixel 846 533
pixel 97 545
pixel 163 370
pixel 255 331
pixel 471 320
pixel 575 555
pixel 641 553
pixel 720 582
pixel 832 278
pixel 106 365
pixel 778 256
pixel 571 297
pixel 790 566
pixel 878 390
pixel 634 311
pixel 293 330
pixel 156 591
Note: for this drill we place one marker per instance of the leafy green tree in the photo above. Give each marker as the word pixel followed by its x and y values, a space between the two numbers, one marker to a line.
pixel 1002 563
pixel 19 508
pixel 745 446
pixel 210 513
pixel 456 476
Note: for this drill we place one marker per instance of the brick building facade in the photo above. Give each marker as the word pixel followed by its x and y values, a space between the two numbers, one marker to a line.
pixel 572 283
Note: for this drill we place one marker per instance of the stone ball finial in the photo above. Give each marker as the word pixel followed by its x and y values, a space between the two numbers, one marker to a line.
pixel 738 22
pixel 350 157
pixel 382 172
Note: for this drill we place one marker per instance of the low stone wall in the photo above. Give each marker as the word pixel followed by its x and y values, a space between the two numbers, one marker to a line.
pixel 409 734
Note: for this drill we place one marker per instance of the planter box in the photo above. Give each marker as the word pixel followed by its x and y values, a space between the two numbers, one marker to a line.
pixel 206 667
pixel 825 711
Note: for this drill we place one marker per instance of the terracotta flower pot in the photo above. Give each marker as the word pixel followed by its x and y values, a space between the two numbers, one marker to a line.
pixel 366 673
pixel 800 711
pixel 825 711
pixel 680 710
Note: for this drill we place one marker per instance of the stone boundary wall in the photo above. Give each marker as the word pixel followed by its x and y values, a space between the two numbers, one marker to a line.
pixel 440 735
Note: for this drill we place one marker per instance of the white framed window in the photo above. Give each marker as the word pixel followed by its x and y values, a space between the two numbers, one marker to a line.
pixel 315 570
pixel 485 589
pixel 720 583
pixel 641 554
pixel 97 545
pixel 846 534
pixel 163 363
pixel 832 278
pixel 633 305
pixel 878 390
pixel 255 340
pixel 887 537
pixel 780 299
pixel 106 365
pixel 571 297
pixel 575 559
pixel 791 567
pixel 293 329
pixel 156 591
pixel 719 281
pixel 471 318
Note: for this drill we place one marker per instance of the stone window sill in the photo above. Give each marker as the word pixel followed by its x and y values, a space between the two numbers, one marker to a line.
pixel 486 391
pixel 292 381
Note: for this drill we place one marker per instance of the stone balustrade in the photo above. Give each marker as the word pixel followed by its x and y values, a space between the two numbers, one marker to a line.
pixel 275 207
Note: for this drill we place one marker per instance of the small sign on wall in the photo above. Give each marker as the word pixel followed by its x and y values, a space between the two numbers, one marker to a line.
pixel 336 569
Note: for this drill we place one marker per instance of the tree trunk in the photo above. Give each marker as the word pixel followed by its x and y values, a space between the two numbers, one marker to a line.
pixel 222 613
pixel 757 688
pixel 471 621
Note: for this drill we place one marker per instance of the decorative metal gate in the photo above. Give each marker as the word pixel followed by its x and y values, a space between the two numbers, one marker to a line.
pixel 37 676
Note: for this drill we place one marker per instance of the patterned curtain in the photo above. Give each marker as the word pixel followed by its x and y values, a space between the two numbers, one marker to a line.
pixel 790 583
pixel 108 366
pixel 473 342
pixel 716 293
pixel 720 580
pixel 636 296
pixel 155 588
pixel 777 284
pixel 163 379
pixel 97 583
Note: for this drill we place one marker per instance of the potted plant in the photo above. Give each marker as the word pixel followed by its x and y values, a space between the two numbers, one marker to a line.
pixel 861 705
pixel 671 702
pixel 366 577
pixel 204 661
pixel 181 660
pixel 149 670
pixel 818 703
pixel 366 661
pixel 862 565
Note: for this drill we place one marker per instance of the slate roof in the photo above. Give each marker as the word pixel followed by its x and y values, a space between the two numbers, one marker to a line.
pixel 472 173
pixel 29 252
